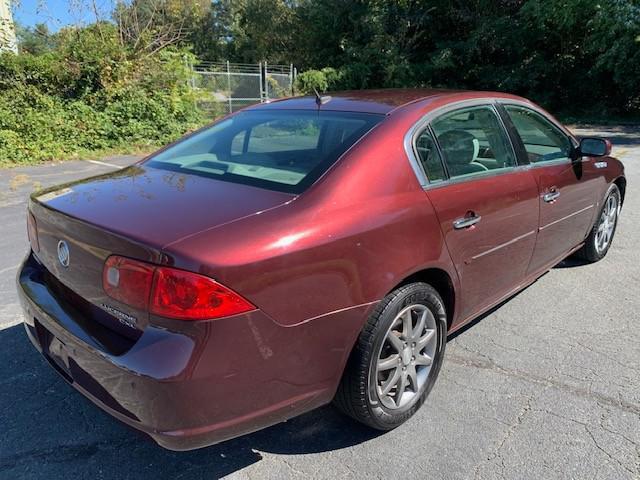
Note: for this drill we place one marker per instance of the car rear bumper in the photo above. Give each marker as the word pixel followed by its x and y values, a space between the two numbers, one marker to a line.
pixel 188 389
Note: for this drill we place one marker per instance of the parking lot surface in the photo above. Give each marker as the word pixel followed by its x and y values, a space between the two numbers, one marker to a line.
pixel 545 386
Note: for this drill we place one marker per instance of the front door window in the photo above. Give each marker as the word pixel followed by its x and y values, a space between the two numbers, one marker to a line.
pixel 543 141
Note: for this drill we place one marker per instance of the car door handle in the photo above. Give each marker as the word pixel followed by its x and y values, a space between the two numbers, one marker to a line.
pixel 466 222
pixel 551 196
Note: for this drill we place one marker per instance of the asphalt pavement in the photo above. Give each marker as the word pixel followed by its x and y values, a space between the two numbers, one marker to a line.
pixel 547 386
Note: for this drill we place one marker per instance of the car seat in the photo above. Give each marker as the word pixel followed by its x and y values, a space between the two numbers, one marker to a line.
pixel 461 150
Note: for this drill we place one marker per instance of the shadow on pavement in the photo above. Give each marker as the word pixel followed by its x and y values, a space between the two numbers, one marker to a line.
pixel 571 262
pixel 47 428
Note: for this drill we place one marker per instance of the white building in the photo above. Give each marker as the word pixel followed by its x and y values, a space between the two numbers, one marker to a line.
pixel 7 28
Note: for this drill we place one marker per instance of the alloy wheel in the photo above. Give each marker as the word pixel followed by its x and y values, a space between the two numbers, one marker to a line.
pixel 406 356
pixel 607 224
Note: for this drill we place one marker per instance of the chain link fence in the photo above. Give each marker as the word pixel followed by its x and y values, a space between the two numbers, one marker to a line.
pixel 225 87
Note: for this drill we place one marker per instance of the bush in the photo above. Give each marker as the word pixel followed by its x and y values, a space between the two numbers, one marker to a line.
pixel 90 95
pixel 322 80
pixel 311 80
pixel 333 76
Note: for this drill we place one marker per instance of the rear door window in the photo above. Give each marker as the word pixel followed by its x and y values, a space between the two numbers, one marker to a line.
pixel 473 141
pixel 430 157
pixel 283 150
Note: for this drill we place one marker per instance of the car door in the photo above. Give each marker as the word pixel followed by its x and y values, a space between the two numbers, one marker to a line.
pixel 487 204
pixel 567 189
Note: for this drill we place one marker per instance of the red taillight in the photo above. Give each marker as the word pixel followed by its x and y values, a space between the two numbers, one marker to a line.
pixel 32 232
pixel 180 294
pixel 169 292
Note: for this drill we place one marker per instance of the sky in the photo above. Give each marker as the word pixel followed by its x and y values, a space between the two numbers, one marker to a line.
pixel 58 13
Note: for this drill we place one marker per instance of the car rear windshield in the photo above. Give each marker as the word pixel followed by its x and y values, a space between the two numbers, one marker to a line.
pixel 282 150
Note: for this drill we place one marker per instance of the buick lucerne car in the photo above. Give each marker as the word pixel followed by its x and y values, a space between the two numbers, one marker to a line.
pixel 305 251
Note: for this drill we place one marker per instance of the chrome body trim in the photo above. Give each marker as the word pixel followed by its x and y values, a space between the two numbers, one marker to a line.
pixel 565 218
pixel 502 245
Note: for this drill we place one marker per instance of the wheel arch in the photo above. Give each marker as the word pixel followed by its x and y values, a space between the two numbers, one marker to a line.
pixel 621 183
pixel 442 282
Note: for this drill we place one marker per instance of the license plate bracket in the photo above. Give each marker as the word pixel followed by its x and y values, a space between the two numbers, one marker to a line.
pixel 54 351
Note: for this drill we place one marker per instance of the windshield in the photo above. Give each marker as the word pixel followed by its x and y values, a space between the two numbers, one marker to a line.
pixel 283 150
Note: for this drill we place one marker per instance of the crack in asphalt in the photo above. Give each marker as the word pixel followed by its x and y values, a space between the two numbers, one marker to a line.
pixel 482 361
pixel 495 453
pixel 600 448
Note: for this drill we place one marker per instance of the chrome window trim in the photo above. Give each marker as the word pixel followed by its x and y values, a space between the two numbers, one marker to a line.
pixel 476 176
pixel 551 163
pixel 424 123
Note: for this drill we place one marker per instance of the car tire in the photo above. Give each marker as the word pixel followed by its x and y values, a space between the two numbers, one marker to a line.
pixel 387 338
pixel 600 237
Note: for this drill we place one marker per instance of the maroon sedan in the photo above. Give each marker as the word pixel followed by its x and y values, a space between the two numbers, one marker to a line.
pixel 304 251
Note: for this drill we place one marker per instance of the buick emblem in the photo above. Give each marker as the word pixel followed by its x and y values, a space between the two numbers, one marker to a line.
pixel 63 253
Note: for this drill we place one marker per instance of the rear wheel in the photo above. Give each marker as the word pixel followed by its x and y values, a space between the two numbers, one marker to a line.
pixel 599 240
pixel 396 359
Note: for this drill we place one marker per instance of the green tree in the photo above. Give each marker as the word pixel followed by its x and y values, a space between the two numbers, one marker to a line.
pixel 34 40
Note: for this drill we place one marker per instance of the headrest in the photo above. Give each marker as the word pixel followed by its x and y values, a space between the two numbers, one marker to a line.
pixel 459 146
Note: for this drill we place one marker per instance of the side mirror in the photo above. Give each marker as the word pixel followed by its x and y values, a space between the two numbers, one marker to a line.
pixel 594 147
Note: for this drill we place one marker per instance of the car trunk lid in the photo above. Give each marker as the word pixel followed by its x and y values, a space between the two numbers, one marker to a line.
pixel 156 207
pixel 132 213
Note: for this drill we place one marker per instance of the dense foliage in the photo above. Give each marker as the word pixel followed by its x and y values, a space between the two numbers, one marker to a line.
pixel 121 83
pixel 83 90
pixel 576 56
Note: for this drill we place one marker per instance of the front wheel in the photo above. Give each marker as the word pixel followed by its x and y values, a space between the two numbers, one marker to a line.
pixel 396 359
pixel 601 235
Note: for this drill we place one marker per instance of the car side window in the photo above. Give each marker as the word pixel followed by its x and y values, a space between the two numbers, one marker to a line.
pixel 473 141
pixel 543 141
pixel 430 157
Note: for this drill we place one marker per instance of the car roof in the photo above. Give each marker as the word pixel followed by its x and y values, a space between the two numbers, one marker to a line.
pixel 382 101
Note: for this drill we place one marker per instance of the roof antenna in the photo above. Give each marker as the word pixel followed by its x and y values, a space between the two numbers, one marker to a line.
pixel 321 99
